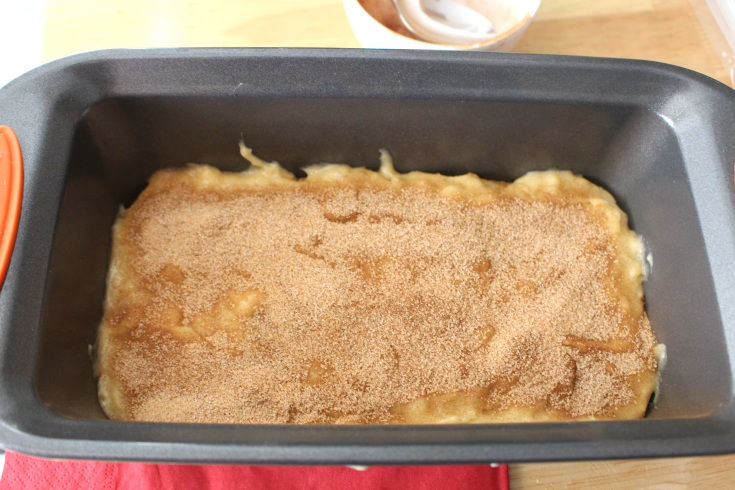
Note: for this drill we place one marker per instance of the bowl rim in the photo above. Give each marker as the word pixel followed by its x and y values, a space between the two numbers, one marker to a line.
pixel 498 40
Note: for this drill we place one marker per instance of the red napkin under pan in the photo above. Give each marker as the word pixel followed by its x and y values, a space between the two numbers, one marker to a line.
pixel 24 472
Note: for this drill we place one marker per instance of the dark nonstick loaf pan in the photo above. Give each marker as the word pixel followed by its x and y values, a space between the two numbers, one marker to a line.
pixel 93 128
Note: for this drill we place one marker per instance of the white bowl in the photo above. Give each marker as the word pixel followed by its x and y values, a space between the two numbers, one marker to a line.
pixel 377 25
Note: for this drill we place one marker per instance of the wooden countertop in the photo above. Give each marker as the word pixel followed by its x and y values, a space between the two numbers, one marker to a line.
pixel 680 32
pixel 671 31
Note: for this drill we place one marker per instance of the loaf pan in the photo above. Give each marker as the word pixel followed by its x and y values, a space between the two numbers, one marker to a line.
pixel 93 128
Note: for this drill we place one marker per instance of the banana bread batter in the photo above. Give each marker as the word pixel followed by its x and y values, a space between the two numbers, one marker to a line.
pixel 362 297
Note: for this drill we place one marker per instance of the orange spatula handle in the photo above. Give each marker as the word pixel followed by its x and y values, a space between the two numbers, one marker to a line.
pixel 11 194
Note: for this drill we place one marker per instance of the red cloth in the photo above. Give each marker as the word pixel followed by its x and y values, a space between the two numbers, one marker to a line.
pixel 24 472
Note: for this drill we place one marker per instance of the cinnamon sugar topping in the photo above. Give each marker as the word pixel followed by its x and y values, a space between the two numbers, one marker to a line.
pixel 354 298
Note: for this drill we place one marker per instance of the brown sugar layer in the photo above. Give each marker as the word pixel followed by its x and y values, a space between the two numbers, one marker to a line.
pixel 363 297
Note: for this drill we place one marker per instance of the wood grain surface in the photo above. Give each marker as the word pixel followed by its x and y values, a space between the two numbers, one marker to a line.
pixel 711 473
pixel 671 31
pixel 660 30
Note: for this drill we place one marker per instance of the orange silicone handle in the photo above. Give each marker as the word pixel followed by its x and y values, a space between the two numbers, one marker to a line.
pixel 11 194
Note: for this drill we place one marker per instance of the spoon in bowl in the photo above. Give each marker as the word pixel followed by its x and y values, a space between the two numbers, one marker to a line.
pixel 444 21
